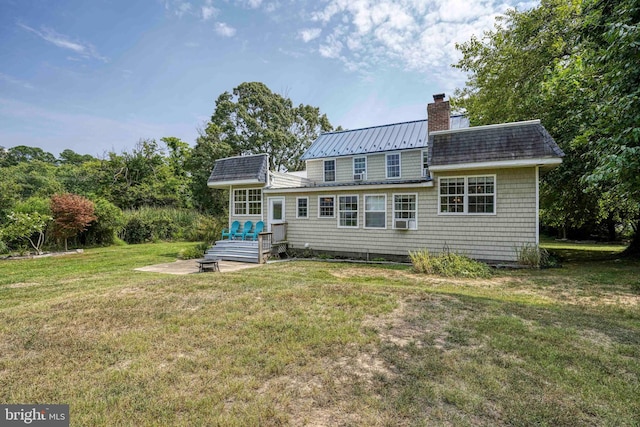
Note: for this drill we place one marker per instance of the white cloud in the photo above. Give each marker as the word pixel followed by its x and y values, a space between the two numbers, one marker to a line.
pixel 224 30
pixel 179 7
pixel 252 4
pixel 417 35
pixel 17 82
pixel 83 49
pixel 209 12
pixel 309 34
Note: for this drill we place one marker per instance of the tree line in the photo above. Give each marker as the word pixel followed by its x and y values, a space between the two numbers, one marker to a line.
pixel 167 174
pixel 575 66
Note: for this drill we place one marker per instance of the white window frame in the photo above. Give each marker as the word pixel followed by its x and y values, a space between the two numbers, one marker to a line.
pixel 320 207
pixel 386 165
pixel 357 211
pixel 298 208
pixel 246 202
pixel 324 170
pixel 466 195
pixel 353 163
pixel 393 218
pixel 425 165
pixel 494 194
pixel 364 208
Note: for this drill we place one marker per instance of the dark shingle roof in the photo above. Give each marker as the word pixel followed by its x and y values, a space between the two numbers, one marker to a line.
pixel 240 169
pixel 513 141
pixel 397 136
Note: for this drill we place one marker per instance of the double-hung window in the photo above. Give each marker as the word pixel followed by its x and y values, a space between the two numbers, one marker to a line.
pixel 326 207
pixel 468 195
pixel 425 163
pixel 375 211
pixel 405 210
pixel 302 206
pixel 247 201
pixel 452 195
pixel 348 211
pixel 481 194
pixel 393 165
pixel 329 170
pixel 359 167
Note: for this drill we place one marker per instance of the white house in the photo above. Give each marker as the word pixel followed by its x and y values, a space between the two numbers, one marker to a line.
pixel 386 190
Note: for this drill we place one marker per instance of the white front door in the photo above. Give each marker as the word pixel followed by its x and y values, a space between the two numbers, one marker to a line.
pixel 276 211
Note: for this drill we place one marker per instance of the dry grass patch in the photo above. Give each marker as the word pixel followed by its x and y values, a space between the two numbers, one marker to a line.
pixel 307 343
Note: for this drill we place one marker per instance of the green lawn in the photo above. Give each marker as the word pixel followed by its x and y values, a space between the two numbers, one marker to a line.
pixel 322 343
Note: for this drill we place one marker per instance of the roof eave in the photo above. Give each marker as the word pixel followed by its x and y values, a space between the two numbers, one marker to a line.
pixel 498 164
pixel 348 187
pixel 229 183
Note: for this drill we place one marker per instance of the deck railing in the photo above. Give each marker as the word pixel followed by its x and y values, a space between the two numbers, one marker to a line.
pixel 264 246
pixel 279 232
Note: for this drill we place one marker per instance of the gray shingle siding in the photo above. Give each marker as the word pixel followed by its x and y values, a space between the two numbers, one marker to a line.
pixel 240 168
pixel 493 143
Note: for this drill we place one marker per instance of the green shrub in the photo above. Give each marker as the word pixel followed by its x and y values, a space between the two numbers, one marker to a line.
pixel 533 256
pixel 151 224
pixel 448 264
pixel 41 205
pixel 109 221
pixel 4 248
pixel 206 229
pixel 196 251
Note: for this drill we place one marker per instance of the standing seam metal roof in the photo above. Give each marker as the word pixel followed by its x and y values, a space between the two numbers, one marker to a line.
pixel 377 139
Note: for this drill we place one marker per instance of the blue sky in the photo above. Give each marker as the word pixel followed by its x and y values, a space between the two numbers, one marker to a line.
pixel 98 75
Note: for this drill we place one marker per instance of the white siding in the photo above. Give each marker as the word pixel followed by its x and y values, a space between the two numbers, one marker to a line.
pixel 410 161
pixel 489 237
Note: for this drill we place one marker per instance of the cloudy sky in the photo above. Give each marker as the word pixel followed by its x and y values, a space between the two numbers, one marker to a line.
pixel 99 75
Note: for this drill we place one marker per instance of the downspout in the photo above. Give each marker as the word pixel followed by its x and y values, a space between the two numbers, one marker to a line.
pixel 537 205
pixel 230 206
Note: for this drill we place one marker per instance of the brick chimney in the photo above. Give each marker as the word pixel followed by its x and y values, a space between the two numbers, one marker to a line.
pixel 438 113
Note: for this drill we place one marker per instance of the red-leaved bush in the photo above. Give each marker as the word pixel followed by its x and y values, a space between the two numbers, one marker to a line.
pixel 71 215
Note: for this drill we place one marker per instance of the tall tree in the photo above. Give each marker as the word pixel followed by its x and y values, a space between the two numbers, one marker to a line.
pixel 252 120
pixel 23 153
pixel 208 149
pixel 611 35
pixel 71 157
pixel 142 177
pixel 550 62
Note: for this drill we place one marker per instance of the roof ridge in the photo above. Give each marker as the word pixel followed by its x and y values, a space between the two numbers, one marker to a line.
pixel 388 124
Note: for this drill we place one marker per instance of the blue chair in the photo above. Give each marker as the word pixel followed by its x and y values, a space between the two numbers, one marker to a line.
pixel 232 231
pixel 259 229
pixel 246 228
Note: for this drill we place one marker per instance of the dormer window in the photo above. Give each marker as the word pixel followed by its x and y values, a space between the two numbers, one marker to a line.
pixel 393 165
pixel 329 170
pixel 359 168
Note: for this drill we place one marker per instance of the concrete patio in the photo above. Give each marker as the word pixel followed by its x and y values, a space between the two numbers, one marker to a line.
pixel 190 266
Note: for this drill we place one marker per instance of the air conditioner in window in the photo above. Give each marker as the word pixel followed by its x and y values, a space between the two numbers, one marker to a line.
pixel 358 176
pixel 425 172
pixel 401 224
